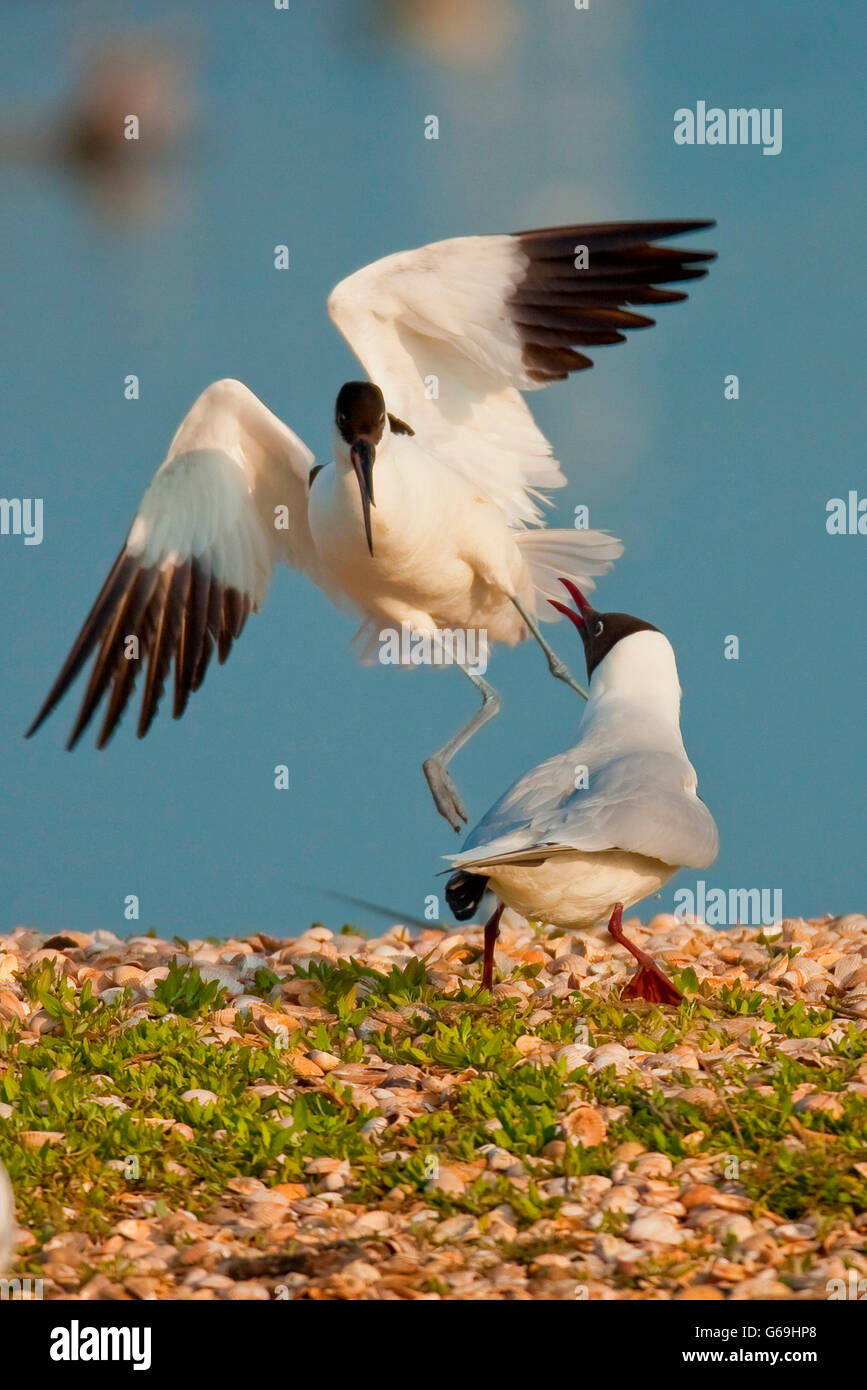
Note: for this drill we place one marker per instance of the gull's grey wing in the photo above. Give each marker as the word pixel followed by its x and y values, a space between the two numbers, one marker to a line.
pixel 510 824
pixel 643 802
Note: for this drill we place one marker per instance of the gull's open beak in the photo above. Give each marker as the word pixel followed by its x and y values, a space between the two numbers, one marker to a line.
pixel 584 607
pixel 362 455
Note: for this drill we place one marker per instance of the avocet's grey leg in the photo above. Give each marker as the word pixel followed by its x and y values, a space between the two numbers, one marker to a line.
pixel 446 796
pixel 557 667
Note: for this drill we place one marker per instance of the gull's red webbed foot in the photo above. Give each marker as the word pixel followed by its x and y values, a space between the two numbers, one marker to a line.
pixel 649 982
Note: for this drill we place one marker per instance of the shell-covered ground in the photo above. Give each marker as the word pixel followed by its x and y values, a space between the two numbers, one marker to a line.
pixel 334 1117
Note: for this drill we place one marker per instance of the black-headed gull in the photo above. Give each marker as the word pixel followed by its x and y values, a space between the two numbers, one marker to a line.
pixel 429 518
pixel 597 828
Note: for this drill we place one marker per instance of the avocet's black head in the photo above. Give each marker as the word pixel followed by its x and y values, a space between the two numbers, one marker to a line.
pixel 359 415
pixel 599 631
pixel 360 412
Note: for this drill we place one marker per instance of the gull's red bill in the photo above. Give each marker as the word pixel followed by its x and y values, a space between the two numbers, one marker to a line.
pixel 583 606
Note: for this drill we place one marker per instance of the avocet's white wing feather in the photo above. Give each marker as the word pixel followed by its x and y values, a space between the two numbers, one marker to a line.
pixel 229 501
pixel 453 333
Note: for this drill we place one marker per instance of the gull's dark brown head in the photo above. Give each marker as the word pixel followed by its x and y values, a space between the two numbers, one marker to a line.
pixel 359 415
pixel 599 631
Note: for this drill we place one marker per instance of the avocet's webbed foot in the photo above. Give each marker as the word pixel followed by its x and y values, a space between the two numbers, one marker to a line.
pixel 559 669
pixel 556 666
pixel 447 798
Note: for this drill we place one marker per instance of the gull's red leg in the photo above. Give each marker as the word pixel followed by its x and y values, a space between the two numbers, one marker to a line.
pixel 649 983
pixel 492 931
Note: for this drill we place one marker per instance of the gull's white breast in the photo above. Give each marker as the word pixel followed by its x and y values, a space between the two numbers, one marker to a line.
pixel 574 888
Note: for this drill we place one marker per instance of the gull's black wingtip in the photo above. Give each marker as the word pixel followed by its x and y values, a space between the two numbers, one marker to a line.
pixel 464 892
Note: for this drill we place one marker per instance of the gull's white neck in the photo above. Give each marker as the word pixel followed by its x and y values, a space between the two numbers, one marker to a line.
pixel 640 670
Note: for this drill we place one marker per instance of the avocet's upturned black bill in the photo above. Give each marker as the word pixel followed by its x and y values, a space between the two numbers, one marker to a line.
pixel 430 514
pixel 575 850
pixel 360 418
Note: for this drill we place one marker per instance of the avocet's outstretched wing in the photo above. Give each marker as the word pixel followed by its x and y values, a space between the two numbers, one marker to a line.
pixel 454 331
pixel 227 504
